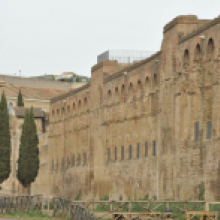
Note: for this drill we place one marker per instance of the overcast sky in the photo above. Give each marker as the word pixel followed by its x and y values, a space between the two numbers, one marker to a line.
pixel 53 36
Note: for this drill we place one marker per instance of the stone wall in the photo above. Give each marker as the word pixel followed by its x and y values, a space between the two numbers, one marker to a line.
pixel 137 127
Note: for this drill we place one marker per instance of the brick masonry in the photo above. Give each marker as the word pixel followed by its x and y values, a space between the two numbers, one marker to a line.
pixel 155 103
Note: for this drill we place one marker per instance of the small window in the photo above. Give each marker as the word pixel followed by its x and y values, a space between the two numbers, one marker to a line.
pixel 154 148
pixel 52 164
pixel 109 154
pixel 79 159
pixel 209 130
pixel 130 151
pixel 115 153
pixel 146 149
pixel 84 159
pixel 138 150
pixel 73 162
pixel 122 153
pixel 196 130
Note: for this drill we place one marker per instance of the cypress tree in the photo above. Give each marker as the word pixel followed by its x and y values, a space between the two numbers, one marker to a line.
pixel 28 162
pixel 5 144
pixel 20 99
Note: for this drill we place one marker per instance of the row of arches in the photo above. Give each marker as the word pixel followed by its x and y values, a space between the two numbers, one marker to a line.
pixel 70 110
pixel 123 94
pixel 198 53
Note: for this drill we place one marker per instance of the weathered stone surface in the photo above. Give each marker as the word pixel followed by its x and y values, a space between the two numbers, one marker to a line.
pixel 157 102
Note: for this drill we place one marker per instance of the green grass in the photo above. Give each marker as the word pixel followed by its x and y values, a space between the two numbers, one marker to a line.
pixel 32 214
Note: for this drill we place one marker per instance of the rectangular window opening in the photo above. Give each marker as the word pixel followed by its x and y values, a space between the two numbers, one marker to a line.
pixel 79 159
pixel 154 148
pixel 130 151
pixel 73 162
pixel 209 130
pixel 146 149
pixel 138 150
pixel 109 154
pixel 115 153
pixel 196 130
pixel 122 153
pixel 85 159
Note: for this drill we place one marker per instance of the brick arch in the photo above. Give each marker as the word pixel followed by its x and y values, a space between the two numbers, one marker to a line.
pixel 130 92
pixel 63 113
pixel 216 43
pixel 123 93
pixel 147 85
pixel 116 95
pixel 198 52
pixel 109 97
pixel 53 115
pixel 85 104
pixel 210 48
pixel 58 114
pixel 139 89
pixel 79 107
pixel 155 80
pixel 186 57
pixel 74 109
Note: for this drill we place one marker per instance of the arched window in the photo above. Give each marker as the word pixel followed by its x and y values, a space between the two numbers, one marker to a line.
pixel 109 98
pixel 80 107
pixel 130 93
pixel 74 109
pixel 186 57
pixel 116 95
pixel 10 108
pixel 139 89
pixel 210 48
pixel 85 104
pixel 155 80
pixel 147 85
pixel 63 113
pixel 123 93
pixel 198 52
pixel 58 114
pixel 53 115
pixel 68 111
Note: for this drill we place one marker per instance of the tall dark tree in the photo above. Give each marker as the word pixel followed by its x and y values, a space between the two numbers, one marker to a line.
pixel 5 144
pixel 28 162
pixel 20 99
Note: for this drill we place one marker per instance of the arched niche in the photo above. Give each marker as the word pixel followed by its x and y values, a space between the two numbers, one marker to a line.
pixel 58 114
pixel 109 97
pixel 123 93
pixel 116 95
pixel 139 89
pixel 198 53
pixel 147 85
pixel 68 110
pixel 130 93
pixel 85 104
pixel 80 107
pixel 74 109
pixel 210 48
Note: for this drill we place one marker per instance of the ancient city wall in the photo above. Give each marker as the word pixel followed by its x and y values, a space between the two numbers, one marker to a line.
pixel 150 128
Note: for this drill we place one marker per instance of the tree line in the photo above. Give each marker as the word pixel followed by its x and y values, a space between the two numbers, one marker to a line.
pixel 28 161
